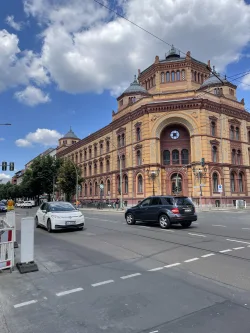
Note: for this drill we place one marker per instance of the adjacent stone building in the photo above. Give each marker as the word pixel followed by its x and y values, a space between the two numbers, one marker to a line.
pixel 176 113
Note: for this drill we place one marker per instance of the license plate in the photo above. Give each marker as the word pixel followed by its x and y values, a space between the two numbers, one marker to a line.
pixel 187 210
pixel 70 222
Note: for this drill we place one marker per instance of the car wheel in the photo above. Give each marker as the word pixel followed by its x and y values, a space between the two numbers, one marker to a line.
pixel 164 221
pixel 186 224
pixel 49 228
pixel 130 219
pixel 36 222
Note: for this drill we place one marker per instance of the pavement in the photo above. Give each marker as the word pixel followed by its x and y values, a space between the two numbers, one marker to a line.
pixel 115 278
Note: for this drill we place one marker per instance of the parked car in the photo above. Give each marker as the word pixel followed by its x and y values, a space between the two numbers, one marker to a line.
pixel 59 215
pixel 165 210
pixel 3 208
pixel 19 203
pixel 26 204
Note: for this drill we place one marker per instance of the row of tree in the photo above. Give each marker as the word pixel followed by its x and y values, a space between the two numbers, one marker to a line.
pixel 45 175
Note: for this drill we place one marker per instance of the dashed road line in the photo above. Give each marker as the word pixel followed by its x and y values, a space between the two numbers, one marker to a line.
pixel 154 332
pixel 219 225
pixel 208 255
pixel 102 283
pixel 156 269
pixel 173 265
pixel 67 292
pixel 245 228
pixel 190 260
pixel 130 276
pixel 198 235
pixel 237 241
pixel 168 230
pixel 239 248
pixel 225 251
pixel 25 303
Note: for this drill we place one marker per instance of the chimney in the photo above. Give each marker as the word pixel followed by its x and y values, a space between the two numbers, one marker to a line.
pixel 208 63
pixel 139 72
pixel 188 55
pixel 157 59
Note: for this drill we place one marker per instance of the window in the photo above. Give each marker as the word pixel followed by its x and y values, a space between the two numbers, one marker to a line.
pixel 213 128
pixel 90 170
pixel 125 184
pixel 151 82
pixel 238 157
pixel 175 157
pixel 85 171
pixel 107 166
pixel 95 151
pixel 85 190
pixel 73 142
pixel 215 182
pixel 178 76
pixel 167 76
pixel 101 167
pixel 176 181
pixel 138 157
pixel 233 156
pixel 123 140
pixel 173 76
pixel 64 142
pixel 96 189
pixel 241 177
pixel 85 155
pixel 162 77
pixel 101 149
pixel 184 156
pixel 119 141
pixel 214 154
pixel 198 77
pixel 95 168
pixel 121 102
pixel 90 189
pixel 108 186
pixel 123 161
pixel 183 74
pixel 156 201
pixel 154 80
pixel 140 184
pixel 145 202
pixel 231 132
pixel 80 157
pixel 237 133
pixel 118 185
pixel 202 78
pixel 90 153
pixel 76 158
pixel 107 147
pixel 166 157
pixel 248 136
pixel 195 76
pixel 232 181
pixel 138 133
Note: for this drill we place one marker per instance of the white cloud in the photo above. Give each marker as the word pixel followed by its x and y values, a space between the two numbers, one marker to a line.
pixel 87 49
pixel 2 139
pixel 32 96
pixel 245 82
pixel 43 136
pixel 4 178
pixel 11 22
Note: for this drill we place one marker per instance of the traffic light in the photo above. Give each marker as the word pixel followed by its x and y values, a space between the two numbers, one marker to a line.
pixel 12 166
pixel 203 162
pixel 4 166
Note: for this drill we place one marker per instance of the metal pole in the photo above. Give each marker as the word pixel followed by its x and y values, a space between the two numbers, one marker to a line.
pixel 221 154
pixel 153 186
pixel 120 180
pixel 200 187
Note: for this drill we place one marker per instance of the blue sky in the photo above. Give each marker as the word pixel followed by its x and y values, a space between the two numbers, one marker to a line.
pixel 63 65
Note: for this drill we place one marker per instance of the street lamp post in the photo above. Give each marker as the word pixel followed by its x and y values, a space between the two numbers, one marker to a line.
pixel 153 175
pixel 200 173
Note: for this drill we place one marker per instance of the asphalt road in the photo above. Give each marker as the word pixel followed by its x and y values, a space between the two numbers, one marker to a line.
pixel 115 278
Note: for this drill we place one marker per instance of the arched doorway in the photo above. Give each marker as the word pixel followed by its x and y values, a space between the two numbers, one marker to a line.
pixel 176 184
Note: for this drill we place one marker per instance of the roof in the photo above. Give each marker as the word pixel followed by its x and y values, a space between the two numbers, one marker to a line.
pixel 215 79
pixel 135 88
pixel 70 134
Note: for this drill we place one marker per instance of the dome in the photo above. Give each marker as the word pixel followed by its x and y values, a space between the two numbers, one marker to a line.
pixel 173 53
pixel 135 88
pixel 214 80
pixel 70 134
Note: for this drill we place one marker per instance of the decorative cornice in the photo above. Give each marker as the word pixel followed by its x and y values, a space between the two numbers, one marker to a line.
pixel 213 118
pixel 214 142
pixel 234 122
pixel 90 146
pixel 90 163
pixel 101 141
pixel 121 130
pixel 138 124
pixel 107 138
pixel 101 159
pixel 138 146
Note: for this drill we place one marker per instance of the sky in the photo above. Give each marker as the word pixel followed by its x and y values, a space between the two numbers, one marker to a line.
pixel 63 63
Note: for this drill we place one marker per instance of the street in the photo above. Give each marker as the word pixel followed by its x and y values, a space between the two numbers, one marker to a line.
pixel 114 278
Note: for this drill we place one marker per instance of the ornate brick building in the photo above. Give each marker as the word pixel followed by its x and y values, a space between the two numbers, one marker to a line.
pixel 174 114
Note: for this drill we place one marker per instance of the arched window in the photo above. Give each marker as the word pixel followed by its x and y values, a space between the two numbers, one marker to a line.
pixel 138 133
pixel 85 171
pixel 90 189
pixel 238 157
pixel 107 146
pixel 140 184
pixel 96 189
pixel 85 155
pixel 125 182
pixel 192 73
pixel 215 182
pixel 123 140
pixel 119 141
pixel 80 157
pixel 173 76
pixel 166 157
pixel 183 74
pixel 213 128
pixel 95 151
pixel 237 133
pixel 231 132
pixel 175 157
pixel 232 181
pixel 101 149
pixel 108 187
pixel 184 156
pixel 233 156
pixel 138 157
pixel 195 76
pixel 214 154
pixel 95 169
pixel 162 77
pixel 202 78
pixel 123 162
pixel 241 177
pixel 118 185
pixel 198 77
pixel 248 136
pixel 178 77
pixel 167 76
pixel 107 166
pixel 154 80
pixel 90 170
pixel 90 153
pixel 101 167
pixel 151 82
pixel 85 190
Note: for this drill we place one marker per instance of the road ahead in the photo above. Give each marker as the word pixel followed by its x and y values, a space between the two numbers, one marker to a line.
pixel 117 278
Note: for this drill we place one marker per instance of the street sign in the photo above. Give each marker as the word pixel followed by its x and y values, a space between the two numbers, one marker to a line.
pixel 220 188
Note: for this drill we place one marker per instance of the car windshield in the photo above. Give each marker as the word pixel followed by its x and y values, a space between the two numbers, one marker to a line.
pixel 183 201
pixel 61 207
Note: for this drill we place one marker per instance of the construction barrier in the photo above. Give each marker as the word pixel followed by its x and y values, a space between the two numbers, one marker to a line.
pixel 6 246
pixel 11 220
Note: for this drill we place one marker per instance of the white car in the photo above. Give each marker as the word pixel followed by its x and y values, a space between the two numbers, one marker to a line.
pixel 26 204
pixel 19 203
pixel 59 215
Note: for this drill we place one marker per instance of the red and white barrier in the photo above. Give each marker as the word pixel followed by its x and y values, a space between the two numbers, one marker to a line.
pixel 6 246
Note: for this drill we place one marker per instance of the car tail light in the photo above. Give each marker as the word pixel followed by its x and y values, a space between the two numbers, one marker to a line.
pixel 175 211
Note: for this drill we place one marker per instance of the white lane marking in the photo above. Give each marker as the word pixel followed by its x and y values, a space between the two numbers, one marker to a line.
pixel 245 228
pixel 190 260
pixel 167 230
pixel 199 235
pixel 196 223
pixel 95 218
pixel 224 251
pixel 208 255
pixel 239 248
pixel 130 276
pixel 156 269
pixel 25 303
pixel 102 283
pixel 173 265
pixel 219 225
pixel 154 332
pixel 67 292
pixel 237 241
pixel 143 226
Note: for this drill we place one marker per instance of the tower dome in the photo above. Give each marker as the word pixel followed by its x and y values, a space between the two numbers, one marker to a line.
pixel 135 88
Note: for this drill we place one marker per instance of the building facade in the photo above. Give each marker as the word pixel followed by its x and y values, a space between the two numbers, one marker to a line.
pixel 47 152
pixel 176 114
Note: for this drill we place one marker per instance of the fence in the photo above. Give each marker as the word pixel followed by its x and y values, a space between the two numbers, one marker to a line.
pixel 6 246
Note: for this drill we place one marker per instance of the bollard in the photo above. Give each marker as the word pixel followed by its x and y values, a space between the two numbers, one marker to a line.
pixel 11 220
pixel 27 263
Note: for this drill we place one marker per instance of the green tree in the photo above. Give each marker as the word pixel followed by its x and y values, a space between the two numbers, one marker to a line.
pixel 67 178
